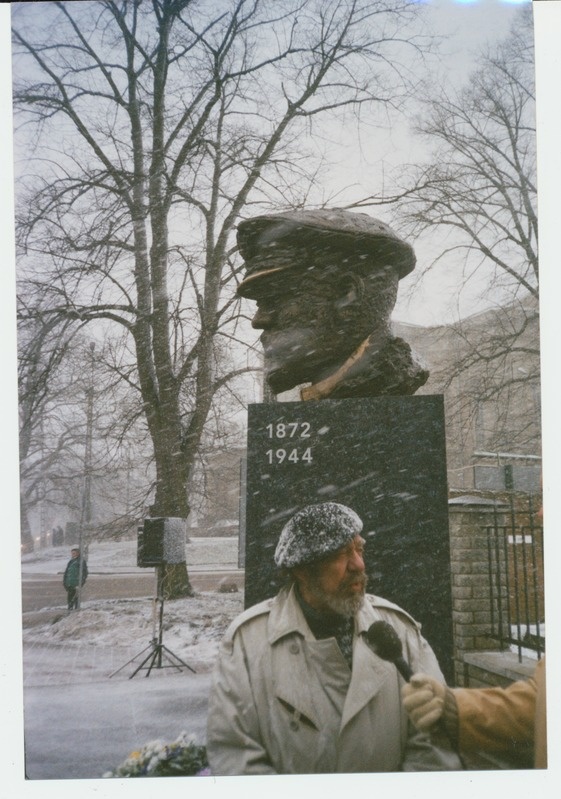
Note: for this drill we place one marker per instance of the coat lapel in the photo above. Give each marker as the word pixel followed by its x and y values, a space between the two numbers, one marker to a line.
pixel 287 631
pixel 369 675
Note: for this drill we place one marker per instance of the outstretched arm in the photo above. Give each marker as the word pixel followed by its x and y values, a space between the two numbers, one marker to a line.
pixel 495 719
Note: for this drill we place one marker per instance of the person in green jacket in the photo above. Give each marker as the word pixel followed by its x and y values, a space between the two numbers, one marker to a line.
pixel 75 576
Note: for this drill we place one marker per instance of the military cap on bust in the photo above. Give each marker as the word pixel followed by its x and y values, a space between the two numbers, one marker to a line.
pixel 314 532
pixel 335 229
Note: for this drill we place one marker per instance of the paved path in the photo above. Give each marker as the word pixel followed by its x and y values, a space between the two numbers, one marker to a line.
pixel 78 731
pixel 84 713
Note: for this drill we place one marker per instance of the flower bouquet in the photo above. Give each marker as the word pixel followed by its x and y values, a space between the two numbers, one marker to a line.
pixel 182 758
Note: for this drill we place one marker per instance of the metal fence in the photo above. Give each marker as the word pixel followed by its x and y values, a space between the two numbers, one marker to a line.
pixel 516 576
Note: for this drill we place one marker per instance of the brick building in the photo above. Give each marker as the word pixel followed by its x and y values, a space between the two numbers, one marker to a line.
pixel 488 368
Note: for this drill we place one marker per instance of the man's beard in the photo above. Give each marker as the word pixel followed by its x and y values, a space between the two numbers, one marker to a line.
pixel 343 602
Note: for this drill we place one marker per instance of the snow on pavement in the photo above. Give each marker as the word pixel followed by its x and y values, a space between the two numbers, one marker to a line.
pixel 84 712
pixel 192 628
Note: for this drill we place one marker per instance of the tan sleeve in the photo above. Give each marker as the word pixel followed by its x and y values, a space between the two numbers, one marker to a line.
pixel 450 716
pixel 540 743
pixel 496 719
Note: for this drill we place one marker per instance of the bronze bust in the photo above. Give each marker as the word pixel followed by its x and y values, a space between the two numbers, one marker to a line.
pixel 325 283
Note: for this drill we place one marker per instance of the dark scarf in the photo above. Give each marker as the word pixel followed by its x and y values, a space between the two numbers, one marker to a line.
pixel 330 625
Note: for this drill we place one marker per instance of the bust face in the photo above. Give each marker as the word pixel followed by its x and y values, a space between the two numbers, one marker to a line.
pixel 314 319
pixel 303 338
pixel 324 281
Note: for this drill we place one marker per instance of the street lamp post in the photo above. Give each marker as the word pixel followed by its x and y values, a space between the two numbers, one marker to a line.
pixel 86 515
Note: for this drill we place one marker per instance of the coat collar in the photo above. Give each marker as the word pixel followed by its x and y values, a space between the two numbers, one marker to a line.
pixel 369 672
pixel 286 617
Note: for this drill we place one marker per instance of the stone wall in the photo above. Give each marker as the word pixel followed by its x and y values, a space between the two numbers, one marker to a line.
pixel 472 608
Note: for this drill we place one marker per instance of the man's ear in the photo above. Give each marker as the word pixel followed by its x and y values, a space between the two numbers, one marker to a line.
pixel 301 576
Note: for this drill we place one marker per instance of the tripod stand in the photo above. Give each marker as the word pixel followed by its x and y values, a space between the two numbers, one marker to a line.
pixel 157 651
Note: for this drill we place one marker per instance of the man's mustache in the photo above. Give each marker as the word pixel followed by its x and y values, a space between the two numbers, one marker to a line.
pixel 358 577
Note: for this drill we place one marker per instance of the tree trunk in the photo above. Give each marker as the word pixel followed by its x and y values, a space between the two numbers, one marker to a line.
pixel 25 530
pixel 176 581
pixel 171 497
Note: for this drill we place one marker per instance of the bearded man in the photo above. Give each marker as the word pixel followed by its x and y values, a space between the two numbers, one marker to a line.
pixel 297 689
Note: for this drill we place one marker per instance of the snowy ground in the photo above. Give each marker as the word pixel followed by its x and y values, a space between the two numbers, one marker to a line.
pixel 192 628
pixel 120 556
pixel 83 711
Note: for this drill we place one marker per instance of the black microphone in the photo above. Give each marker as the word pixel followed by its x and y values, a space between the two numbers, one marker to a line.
pixel 384 641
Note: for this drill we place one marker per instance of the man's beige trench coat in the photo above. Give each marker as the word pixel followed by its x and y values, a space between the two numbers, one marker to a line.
pixel 283 702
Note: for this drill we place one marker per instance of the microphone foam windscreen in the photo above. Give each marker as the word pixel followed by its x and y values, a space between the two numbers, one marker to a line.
pixel 384 641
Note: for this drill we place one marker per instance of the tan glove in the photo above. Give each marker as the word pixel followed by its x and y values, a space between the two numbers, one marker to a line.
pixel 423 699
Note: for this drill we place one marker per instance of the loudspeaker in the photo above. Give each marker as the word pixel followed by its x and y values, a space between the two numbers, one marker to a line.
pixel 150 551
pixel 161 540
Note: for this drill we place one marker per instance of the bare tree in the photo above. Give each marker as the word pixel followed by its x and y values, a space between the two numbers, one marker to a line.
pixel 475 197
pixel 43 346
pixel 155 126
pixel 55 389
pixel 478 190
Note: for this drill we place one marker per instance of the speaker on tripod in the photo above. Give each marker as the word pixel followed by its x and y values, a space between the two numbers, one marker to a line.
pixel 160 541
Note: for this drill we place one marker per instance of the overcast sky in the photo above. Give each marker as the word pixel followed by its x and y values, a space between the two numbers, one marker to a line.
pixel 468 26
